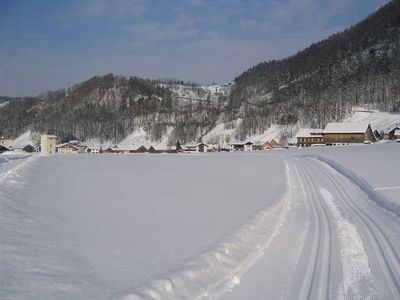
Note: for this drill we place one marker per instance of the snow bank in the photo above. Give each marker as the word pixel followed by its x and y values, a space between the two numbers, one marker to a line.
pixel 105 226
pixel 390 206
pixel 219 269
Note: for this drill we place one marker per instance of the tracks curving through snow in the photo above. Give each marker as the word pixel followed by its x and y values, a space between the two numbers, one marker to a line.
pixel 368 256
pixel 342 248
pixel 350 248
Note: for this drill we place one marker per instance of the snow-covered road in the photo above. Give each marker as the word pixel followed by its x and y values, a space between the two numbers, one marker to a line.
pixel 293 225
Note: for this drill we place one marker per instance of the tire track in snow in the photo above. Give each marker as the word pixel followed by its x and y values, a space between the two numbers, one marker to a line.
pixel 383 249
pixel 218 270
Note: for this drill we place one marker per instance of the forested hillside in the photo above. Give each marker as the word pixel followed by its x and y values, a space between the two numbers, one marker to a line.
pixel 357 67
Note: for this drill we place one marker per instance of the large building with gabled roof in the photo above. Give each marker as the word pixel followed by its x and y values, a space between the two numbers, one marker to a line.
pixel 348 133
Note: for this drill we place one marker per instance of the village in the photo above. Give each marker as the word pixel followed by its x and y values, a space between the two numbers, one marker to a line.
pixel 334 134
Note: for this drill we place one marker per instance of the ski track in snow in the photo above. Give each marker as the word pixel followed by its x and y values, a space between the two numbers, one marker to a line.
pixel 354 259
pixel 347 247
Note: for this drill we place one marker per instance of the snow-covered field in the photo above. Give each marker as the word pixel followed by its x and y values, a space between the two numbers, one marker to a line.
pixel 295 224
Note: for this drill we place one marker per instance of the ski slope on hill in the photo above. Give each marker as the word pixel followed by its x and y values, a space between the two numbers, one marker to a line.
pixel 293 224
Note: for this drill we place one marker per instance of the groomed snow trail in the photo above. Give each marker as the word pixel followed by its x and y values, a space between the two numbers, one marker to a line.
pixel 347 247
pixel 328 237
pixel 355 252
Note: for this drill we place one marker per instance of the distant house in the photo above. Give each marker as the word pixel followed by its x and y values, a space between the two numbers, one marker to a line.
pixel 141 149
pixel 48 144
pixel 242 146
pixel 308 136
pixel 227 148
pixel 200 147
pixel 264 146
pixel 93 150
pixel 67 148
pixel 389 133
pixel 274 143
pixel 348 133
pixel 153 150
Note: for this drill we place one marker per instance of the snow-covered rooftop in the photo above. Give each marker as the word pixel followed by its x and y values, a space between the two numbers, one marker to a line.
pixel 356 127
pixel 309 132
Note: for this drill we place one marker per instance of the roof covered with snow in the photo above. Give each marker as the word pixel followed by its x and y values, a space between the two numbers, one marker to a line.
pixel 309 132
pixel 356 127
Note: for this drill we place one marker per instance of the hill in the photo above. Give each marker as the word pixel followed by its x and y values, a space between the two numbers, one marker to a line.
pixel 357 67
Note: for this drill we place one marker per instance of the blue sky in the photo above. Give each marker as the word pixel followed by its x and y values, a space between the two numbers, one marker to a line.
pixel 46 44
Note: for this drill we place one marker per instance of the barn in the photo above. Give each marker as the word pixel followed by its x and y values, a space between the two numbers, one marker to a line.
pixel 348 133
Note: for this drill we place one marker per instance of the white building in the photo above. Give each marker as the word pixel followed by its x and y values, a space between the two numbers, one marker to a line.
pixel 48 144
pixel 66 148
pixel 200 147
pixel 94 150
pixel 242 146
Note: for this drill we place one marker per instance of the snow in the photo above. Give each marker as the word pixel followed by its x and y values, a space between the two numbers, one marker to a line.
pixel 354 127
pixel 378 120
pixel 23 140
pixel 355 260
pixel 222 133
pixel 272 133
pixel 200 92
pixel 133 141
pixel 139 137
pixel 96 227
pixel 309 132
pixel 3 104
pixel 312 223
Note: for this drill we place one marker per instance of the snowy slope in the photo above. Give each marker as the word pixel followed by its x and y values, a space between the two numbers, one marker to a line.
pixel 378 120
pixel 27 138
pixel 207 92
